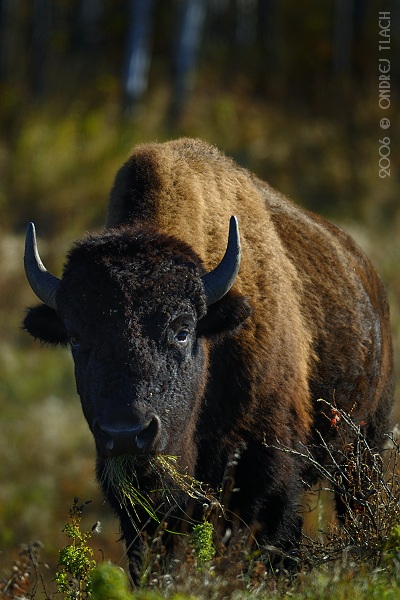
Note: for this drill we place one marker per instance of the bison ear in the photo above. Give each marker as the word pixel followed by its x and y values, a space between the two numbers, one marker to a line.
pixel 225 316
pixel 43 323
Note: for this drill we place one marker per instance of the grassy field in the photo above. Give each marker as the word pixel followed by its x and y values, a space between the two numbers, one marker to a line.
pixel 58 166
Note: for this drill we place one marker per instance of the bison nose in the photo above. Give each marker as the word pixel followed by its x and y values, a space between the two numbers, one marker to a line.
pixel 142 438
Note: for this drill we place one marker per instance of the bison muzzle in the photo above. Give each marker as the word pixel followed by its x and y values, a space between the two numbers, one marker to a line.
pixel 194 342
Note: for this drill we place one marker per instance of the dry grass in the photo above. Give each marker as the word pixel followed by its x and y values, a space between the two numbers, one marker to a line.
pixel 367 537
pixel 368 485
pixel 120 475
pixel 361 554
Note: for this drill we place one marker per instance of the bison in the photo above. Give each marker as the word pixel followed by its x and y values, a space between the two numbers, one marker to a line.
pixel 187 345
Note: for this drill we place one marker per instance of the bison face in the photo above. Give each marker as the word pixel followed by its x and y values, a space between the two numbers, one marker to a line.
pixel 138 378
pixel 133 306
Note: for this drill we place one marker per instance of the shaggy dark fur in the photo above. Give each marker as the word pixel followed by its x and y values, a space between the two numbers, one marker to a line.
pixel 307 318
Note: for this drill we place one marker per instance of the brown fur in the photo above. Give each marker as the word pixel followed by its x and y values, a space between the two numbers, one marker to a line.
pixel 314 292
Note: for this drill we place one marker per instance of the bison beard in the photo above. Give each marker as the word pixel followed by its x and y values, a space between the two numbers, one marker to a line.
pixel 177 353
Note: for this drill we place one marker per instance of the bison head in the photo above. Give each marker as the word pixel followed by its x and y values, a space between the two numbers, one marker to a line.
pixel 138 312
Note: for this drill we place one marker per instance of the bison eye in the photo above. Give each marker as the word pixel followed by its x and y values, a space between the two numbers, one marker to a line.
pixel 181 330
pixel 182 336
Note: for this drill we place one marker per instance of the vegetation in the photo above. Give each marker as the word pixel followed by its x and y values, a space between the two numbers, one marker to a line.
pixel 120 474
pixel 359 556
pixel 75 564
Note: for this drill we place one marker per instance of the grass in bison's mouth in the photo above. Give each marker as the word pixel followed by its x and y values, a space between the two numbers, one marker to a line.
pixel 120 474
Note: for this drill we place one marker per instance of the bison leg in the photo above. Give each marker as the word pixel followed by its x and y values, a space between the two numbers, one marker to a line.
pixel 268 485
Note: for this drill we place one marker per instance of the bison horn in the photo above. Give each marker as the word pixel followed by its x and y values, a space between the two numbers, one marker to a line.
pixel 41 281
pixel 220 280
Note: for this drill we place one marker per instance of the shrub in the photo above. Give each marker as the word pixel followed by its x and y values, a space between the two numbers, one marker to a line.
pixel 75 565
pixel 368 486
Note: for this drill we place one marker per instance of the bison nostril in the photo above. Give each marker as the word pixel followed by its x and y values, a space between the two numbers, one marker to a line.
pixel 149 434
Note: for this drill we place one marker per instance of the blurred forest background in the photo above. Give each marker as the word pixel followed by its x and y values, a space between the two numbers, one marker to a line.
pixel 289 89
